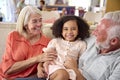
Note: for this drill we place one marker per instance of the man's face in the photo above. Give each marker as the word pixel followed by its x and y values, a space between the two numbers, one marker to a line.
pixel 101 34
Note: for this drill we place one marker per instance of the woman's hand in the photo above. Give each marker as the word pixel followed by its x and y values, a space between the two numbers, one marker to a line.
pixel 41 71
pixel 46 57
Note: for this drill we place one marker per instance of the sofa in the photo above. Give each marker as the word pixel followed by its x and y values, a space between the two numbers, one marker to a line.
pixel 6 27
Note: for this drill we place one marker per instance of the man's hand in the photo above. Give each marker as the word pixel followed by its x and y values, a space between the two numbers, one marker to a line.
pixel 70 63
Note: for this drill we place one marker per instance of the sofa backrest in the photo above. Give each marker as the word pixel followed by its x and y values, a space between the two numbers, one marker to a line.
pixel 5 28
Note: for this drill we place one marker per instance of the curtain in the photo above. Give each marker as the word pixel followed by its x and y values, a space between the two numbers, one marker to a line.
pixel 9 10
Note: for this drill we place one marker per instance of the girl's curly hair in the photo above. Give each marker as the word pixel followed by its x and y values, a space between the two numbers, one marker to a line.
pixel 83 27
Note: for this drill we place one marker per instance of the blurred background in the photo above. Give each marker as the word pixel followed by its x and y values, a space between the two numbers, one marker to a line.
pixel 75 7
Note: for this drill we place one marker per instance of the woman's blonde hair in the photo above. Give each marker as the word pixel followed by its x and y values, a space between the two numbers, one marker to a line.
pixel 23 18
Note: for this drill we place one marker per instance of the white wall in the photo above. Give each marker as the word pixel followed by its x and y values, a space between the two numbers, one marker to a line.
pixel 80 3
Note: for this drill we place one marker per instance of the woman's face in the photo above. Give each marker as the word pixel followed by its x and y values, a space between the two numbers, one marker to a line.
pixel 34 24
pixel 70 30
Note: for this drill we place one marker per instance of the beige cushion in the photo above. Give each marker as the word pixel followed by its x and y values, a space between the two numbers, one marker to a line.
pixel 50 16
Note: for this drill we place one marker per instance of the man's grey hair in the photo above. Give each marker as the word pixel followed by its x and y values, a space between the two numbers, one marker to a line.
pixel 114 30
pixel 114 16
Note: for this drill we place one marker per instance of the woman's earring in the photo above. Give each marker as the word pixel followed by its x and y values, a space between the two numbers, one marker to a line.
pixel 25 27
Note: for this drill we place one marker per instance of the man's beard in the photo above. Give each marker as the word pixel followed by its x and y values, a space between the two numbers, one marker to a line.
pixel 103 45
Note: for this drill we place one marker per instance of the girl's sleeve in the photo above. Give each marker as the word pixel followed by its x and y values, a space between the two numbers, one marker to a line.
pixel 51 46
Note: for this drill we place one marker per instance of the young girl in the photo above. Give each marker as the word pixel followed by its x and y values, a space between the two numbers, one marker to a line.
pixel 69 32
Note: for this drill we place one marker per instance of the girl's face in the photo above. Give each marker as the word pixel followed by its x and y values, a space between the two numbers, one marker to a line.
pixel 70 30
pixel 34 24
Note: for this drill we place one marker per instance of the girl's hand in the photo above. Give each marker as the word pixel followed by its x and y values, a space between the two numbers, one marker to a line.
pixel 70 63
pixel 46 65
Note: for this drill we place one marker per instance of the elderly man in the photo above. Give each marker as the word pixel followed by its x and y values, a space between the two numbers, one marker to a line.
pixel 101 60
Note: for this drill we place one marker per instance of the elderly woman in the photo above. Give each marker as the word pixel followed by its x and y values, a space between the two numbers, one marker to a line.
pixel 24 47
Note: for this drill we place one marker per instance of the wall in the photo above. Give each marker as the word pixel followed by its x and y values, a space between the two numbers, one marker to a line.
pixel 112 5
